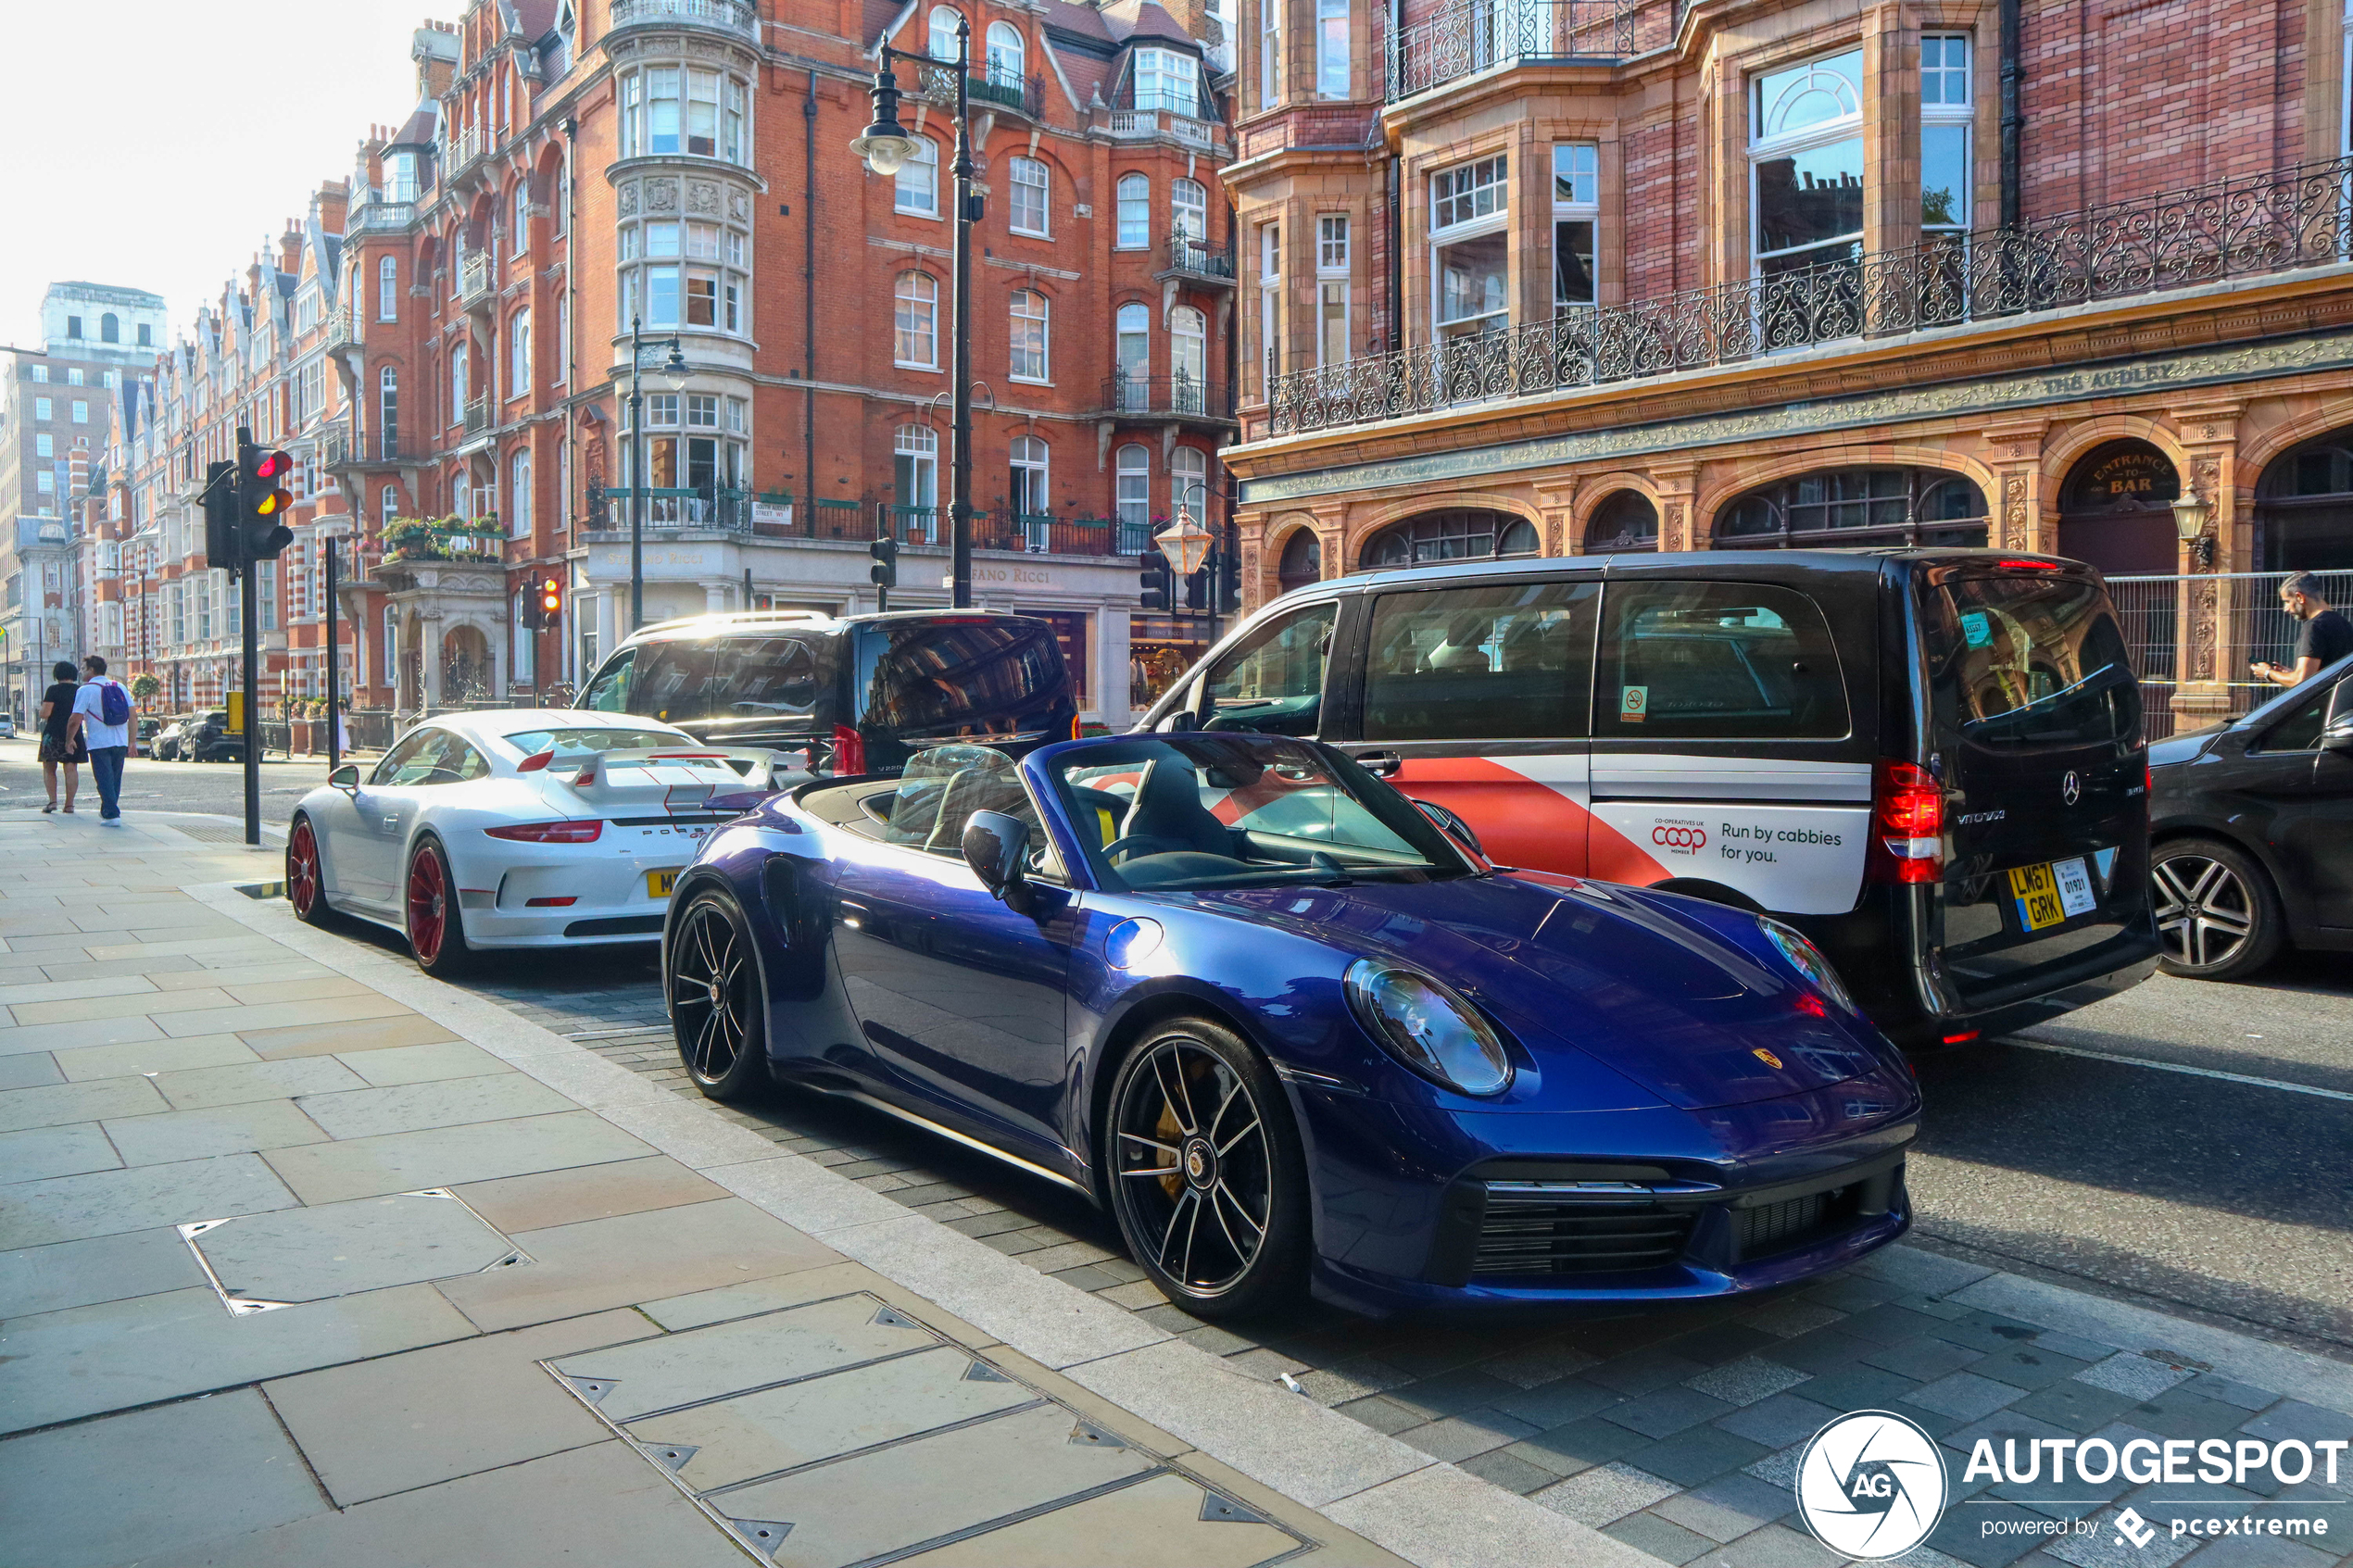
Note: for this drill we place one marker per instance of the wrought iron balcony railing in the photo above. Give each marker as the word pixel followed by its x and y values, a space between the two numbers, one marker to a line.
pixel 728 15
pixel 2295 219
pixel 1002 89
pixel 477 416
pixel 1195 258
pixel 477 277
pixel 1180 396
pixel 1040 535
pixel 342 448
pixel 1471 35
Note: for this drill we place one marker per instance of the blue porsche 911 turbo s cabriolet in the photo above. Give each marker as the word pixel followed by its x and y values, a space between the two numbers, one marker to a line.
pixel 1290 1032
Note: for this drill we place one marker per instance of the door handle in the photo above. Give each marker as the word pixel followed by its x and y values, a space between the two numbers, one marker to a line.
pixel 1381 764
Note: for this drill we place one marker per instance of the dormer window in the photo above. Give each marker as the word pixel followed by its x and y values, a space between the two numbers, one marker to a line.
pixel 1167 81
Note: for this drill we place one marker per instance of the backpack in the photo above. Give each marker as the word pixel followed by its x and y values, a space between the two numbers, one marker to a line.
pixel 114 705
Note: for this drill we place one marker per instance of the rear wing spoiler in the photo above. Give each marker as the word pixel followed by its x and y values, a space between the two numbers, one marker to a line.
pixel 589 765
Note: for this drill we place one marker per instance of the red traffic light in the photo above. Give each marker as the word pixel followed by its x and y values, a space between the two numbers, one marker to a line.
pixel 272 465
pixel 551 596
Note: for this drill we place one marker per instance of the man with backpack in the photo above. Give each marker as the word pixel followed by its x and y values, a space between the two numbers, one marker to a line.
pixel 102 722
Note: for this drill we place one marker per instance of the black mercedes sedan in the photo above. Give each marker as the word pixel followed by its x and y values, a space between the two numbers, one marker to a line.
pixel 2253 829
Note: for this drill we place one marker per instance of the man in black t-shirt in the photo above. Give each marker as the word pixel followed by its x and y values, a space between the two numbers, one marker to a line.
pixel 2324 638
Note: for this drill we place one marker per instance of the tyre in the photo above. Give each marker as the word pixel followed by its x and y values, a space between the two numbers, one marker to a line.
pixel 306 885
pixel 437 926
pixel 2218 917
pixel 717 1013
pixel 1206 1175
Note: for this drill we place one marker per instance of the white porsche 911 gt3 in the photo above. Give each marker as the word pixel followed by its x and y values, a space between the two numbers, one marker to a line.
pixel 515 828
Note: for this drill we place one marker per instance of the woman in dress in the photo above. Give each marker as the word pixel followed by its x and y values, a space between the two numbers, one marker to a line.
pixel 57 711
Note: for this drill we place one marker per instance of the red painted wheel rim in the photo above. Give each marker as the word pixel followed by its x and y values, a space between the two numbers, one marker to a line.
pixel 302 868
pixel 428 905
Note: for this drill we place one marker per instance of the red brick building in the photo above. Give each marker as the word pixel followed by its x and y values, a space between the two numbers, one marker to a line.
pixel 1552 276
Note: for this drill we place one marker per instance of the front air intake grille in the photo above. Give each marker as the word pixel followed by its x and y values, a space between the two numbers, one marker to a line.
pixel 1531 1232
pixel 1779 1228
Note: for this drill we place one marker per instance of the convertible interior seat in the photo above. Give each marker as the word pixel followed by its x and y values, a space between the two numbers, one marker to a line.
pixel 1168 816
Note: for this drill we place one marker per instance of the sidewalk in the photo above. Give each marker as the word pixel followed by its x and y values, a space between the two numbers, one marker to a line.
pixel 454 1289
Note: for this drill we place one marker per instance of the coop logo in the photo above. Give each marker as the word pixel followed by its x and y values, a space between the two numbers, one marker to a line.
pixel 1872 1484
pixel 1689 838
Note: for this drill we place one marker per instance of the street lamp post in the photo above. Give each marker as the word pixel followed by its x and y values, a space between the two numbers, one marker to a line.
pixel 674 372
pixel 886 146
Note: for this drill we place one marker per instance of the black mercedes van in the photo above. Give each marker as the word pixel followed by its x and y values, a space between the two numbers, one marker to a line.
pixel 1929 760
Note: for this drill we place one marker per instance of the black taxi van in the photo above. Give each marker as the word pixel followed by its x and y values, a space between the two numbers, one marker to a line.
pixel 856 694
pixel 1929 760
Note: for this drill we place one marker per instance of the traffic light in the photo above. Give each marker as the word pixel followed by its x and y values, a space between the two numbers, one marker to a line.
pixel 883 574
pixel 1228 564
pixel 1160 586
pixel 543 602
pixel 220 517
pixel 262 504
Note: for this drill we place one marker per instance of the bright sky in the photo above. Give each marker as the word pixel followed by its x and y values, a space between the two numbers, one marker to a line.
pixel 157 144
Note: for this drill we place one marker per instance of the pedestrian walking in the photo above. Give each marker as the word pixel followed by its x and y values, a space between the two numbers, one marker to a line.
pixel 2323 638
pixel 102 722
pixel 57 750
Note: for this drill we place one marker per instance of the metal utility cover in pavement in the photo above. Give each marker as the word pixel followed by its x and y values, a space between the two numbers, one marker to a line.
pixel 846 1433
pixel 289 1256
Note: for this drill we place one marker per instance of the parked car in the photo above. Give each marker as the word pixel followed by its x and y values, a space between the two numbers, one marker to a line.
pixel 2253 823
pixel 207 737
pixel 1929 760
pixel 168 736
pixel 1244 995
pixel 143 740
pixel 7 726
pixel 571 825
pixel 855 694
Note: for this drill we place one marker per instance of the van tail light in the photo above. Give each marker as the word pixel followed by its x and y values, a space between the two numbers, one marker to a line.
pixel 849 751
pixel 1908 823
pixel 550 832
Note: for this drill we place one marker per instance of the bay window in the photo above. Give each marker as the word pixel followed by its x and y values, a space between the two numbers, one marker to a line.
pixel 672 110
pixel 1470 248
pixel 1331 49
pixel 1167 81
pixel 677 274
pixel 1331 290
pixel 1576 207
pixel 1945 111
pixel 1805 158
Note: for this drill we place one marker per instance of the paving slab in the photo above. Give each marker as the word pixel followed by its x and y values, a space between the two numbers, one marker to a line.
pixel 105 1268
pixel 66 1150
pixel 191 1470
pixel 409 1107
pixel 1166 1521
pixel 548 1198
pixel 314 1254
pixel 198 1134
pixel 418 1064
pixel 239 1018
pixel 599 1504
pixel 449 1156
pixel 109 1202
pixel 629 1380
pixel 114 984
pixel 423 1417
pixel 57 1104
pixel 136 1057
pixel 84 1360
pixel 326 1039
pixel 198 1087
pixel 28 1070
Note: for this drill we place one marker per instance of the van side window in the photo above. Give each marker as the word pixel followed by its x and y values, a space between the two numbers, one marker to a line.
pixel 762 677
pixel 1716 661
pixel 1274 681
pixel 609 693
pixel 671 681
pixel 2300 731
pixel 1508 662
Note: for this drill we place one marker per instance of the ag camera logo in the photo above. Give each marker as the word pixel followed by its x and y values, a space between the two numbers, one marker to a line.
pixel 1872 1484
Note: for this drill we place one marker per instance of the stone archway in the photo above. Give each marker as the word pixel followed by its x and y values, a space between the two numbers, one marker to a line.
pixel 469 670
pixel 2116 510
pixel 1466 534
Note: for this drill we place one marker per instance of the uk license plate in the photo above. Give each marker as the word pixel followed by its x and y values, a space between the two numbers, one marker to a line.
pixel 659 884
pixel 2052 892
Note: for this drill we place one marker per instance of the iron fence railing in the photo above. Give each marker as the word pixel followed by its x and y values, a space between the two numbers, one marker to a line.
pixel 2298 218
pixel 340 448
pixel 1195 258
pixel 1037 534
pixel 1179 394
pixel 1474 34
pixel 2238 611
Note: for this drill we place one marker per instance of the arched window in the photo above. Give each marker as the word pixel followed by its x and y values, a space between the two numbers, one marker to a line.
pixel 1628 520
pixel 519 240
pixel 1188 483
pixel 1135 212
pixel 1845 508
pixel 1302 561
pixel 2304 508
pixel 2116 510
pixel 519 340
pixel 458 384
pixel 942 45
pixel 915 479
pixel 110 328
pixel 1032 190
pixel 1187 210
pixel 917 190
pixel 1460 535
pixel 389 415
pixel 1135 349
pixel 1028 336
pixel 1189 360
pixel 1026 486
pixel 518 496
pixel 387 288
pixel 1133 472
pixel 1007 55
pixel 916 340
pixel 388 506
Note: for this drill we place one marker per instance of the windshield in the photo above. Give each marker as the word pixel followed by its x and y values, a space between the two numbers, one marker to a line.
pixel 581 743
pixel 1242 810
pixel 2017 662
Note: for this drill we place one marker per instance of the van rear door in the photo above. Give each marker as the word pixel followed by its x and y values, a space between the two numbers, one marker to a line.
pixel 2035 731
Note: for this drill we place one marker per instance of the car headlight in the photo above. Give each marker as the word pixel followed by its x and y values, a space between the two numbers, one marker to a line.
pixel 1808 959
pixel 1429 1027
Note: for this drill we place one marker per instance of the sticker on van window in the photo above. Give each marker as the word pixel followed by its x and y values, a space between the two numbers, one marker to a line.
pixel 1977 629
pixel 1632 703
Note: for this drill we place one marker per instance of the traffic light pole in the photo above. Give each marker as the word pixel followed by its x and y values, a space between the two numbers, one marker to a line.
pixel 249 587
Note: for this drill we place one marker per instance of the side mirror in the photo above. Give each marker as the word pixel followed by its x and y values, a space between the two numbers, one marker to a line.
pixel 2338 737
pixel 1180 722
pixel 346 777
pixel 995 847
pixel 1451 824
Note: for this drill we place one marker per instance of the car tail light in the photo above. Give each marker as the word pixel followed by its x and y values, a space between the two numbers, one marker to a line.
pixel 565 902
pixel 550 832
pixel 849 751
pixel 1963 1038
pixel 2030 566
pixel 1908 819
pixel 536 761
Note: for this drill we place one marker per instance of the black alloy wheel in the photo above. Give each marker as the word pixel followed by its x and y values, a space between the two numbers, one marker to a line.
pixel 1205 1171
pixel 2218 917
pixel 716 1011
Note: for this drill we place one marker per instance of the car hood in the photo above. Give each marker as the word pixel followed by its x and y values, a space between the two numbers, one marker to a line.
pixel 1677 1003
pixel 2185 747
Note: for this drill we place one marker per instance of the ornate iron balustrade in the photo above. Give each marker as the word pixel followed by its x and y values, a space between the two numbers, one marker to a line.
pixel 477 277
pixel 1195 258
pixel 2298 218
pixel 1040 534
pixel 1181 395
pixel 731 15
pixel 1474 34
pixel 477 416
